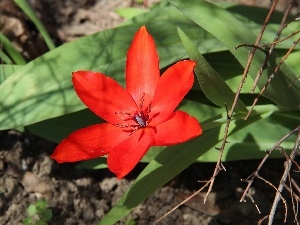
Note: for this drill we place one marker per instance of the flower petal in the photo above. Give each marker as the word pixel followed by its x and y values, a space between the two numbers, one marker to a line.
pixel 88 143
pixel 123 158
pixel 173 85
pixel 142 68
pixel 179 128
pixel 104 96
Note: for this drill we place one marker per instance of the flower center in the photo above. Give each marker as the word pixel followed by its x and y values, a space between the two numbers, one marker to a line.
pixel 141 119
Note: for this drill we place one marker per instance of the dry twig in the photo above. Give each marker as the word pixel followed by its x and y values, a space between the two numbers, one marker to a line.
pixel 287 170
pixel 251 178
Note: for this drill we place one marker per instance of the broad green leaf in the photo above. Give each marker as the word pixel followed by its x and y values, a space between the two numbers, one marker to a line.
pixel 254 21
pixel 58 128
pixel 254 13
pixel 252 16
pixel 210 81
pixel 293 62
pixel 6 70
pixel 251 143
pixel 232 33
pixel 42 89
pixel 171 161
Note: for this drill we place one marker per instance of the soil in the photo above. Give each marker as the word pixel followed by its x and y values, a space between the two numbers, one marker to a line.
pixel 78 196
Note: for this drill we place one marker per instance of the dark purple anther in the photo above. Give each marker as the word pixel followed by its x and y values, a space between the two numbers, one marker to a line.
pixel 140 119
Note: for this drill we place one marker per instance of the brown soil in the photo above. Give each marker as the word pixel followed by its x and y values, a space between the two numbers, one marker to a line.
pixel 78 196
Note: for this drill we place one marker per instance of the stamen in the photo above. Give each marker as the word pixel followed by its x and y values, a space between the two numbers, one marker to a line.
pixel 142 101
pixel 123 113
pixel 140 117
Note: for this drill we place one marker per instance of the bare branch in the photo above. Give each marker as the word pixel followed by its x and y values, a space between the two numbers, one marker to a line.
pixel 283 178
pixel 254 175
pixel 271 77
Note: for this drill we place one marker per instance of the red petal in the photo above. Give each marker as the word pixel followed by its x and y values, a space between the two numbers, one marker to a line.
pixel 123 158
pixel 88 143
pixel 142 67
pixel 103 95
pixel 173 85
pixel 179 128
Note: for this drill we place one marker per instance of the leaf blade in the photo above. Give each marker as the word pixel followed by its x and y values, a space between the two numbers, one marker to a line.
pixel 210 81
pixel 232 33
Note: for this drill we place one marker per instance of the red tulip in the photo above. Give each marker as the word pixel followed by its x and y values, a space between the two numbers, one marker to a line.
pixel 138 117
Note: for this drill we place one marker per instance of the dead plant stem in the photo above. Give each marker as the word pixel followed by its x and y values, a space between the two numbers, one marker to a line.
pixel 288 166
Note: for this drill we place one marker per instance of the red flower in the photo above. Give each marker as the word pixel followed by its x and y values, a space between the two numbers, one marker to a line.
pixel 138 117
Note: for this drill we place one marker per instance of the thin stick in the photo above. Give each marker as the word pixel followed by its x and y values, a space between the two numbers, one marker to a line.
pixel 296 185
pixel 293 197
pixel 181 203
pixel 280 196
pixel 254 175
pixel 230 113
pixel 291 191
pixel 281 27
pixel 287 37
pixel 283 179
pixel 219 164
pixel 253 46
pixel 272 76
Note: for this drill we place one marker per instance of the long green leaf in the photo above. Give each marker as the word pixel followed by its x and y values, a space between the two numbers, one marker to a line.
pixel 210 81
pixel 37 22
pixel 230 31
pixel 11 50
pixel 5 58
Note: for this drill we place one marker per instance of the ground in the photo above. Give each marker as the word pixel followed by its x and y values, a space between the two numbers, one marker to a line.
pixel 78 196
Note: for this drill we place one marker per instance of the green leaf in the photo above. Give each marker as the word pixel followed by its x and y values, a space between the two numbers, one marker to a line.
pixel 42 89
pixel 251 143
pixel 11 50
pixel 41 204
pixel 98 163
pixel 26 8
pixel 27 221
pixel 55 129
pixel 231 32
pixel 5 58
pixel 293 62
pixel 32 210
pixel 46 214
pixel 210 81
pixel 130 12
pixel 40 222
pixel 130 221
pixel 258 17
pixel 7 70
